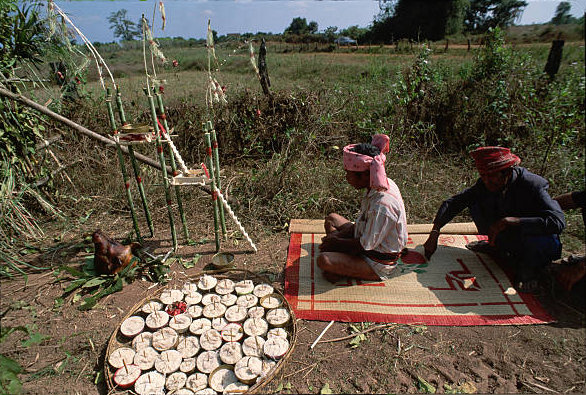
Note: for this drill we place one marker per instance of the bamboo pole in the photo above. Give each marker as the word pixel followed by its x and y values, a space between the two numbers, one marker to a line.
pixel 173 167
pixel 216 159
pixel 122 165
pixel 135 168
pixel 213 182
pixel 163 167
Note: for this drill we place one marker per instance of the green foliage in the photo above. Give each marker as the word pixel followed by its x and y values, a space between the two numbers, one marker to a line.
pixel 425 386
pixel 300 26
pixel 418 20
pixel 10 384
pixel 485 14
pixel 359 338
pixel 123 28
pixel 21 34
pixel 92 287
pixel 88 282
pixel 562 14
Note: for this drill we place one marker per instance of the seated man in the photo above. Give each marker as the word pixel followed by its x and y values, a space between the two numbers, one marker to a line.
pixel 369 248
pixel 575 270
pixel 510 205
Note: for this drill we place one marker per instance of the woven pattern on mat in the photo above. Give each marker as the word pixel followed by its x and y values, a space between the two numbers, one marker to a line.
pixel 457 287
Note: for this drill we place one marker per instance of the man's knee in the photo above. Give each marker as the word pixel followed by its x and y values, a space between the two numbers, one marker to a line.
pixel 323 262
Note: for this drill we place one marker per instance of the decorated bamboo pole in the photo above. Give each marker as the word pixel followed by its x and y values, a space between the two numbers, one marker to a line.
pixel 163 166
pixel 233 216
pixel 122 166
pixel 173 166
pixel 213 182
pixel 135 168
pixel 217 172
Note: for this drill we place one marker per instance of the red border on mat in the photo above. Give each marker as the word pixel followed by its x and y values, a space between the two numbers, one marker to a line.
pixel 539 315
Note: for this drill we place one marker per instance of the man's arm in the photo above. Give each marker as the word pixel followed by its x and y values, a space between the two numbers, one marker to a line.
pixel 546 217
pixel 447 211
pixel 571 200
pixel 566 202
pixel 334 243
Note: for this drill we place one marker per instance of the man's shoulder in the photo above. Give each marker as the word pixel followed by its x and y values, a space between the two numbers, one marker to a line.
pixel 388 200
pixel 525 178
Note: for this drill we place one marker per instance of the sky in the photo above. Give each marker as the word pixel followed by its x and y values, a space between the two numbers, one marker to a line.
pixel 188 18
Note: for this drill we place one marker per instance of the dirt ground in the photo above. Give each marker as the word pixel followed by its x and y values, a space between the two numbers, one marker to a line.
pixel 392 359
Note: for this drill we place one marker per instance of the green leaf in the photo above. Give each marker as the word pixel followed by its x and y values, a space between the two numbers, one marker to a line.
pixel 356 341
pixel 88 303
pixel 287 386
pixel 76 298
pixel 425 386
pixel 6 331
pixel 94 282
pixel 58 303
pixel 9 365
pixel 35 338
pixel 14 385
pixel 129 268
pixel 74 272
pixel 192 263
pixel 326 389
pixel 279 387
pixel 170 261
pixel 74 285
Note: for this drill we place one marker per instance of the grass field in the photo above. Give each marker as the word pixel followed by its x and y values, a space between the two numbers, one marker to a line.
pixel 280 156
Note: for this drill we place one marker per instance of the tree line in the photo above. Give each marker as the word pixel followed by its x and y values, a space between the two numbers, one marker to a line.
pixel 398 19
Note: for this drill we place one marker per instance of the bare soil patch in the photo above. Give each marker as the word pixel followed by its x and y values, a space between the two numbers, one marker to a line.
pixel 393 359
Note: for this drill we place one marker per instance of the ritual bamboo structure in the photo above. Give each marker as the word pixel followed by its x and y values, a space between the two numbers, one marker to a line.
pixel 135 168
pixel 173 165
pixel 163 166
pixel 210 165
pixel 122 165
pixel 216 159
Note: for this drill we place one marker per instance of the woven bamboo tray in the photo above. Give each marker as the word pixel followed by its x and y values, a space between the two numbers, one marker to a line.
pixel 118 340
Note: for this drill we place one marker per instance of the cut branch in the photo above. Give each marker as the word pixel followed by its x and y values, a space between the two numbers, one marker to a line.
pixel 45 143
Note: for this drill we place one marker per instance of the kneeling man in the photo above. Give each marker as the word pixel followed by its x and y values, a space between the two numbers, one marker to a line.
pixel 512 206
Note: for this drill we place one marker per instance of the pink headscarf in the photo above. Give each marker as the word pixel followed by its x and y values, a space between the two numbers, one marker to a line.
pixel 353 161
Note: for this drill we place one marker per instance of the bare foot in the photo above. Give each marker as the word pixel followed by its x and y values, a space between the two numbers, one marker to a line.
pixel 569 275
pixel 331 277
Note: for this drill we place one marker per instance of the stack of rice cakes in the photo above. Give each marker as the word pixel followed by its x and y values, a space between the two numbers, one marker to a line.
pixel 211 336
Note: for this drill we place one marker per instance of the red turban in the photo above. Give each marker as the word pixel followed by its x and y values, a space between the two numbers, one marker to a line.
pixel 491 159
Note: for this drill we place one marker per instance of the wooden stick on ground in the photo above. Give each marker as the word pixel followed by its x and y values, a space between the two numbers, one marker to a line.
pixel 321 334
pixel 358 333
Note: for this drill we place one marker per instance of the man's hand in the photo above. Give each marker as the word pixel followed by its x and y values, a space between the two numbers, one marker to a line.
pixel 330 243
pixel 430 244
pixel 570 275
pixel 499 226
